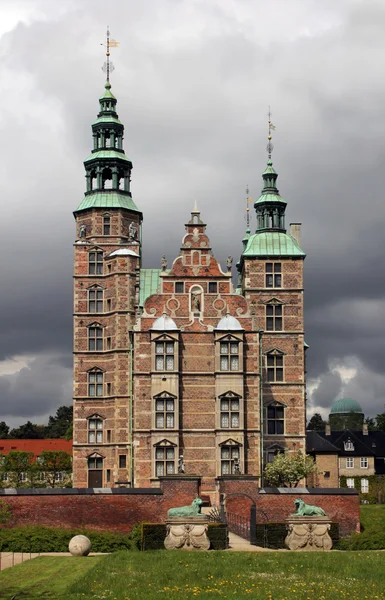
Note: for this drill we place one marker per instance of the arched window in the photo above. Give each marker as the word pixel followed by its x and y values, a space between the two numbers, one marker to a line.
pixel 95 382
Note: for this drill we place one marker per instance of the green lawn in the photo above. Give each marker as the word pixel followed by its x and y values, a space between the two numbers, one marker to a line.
pixel 183 575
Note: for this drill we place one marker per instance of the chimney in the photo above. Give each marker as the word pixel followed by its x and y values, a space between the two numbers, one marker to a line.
pixel 295 232
pixel 365 429
pixel 327 429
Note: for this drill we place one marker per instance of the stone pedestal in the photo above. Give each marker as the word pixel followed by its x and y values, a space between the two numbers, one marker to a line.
pixel 187 533
pixel 308 533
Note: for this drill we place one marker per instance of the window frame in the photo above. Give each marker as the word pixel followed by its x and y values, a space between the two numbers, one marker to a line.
pixel 274 321
pixel 95 262
pixel 351 480
pixel 95 383
pixel 234 454
pixel 275 419
pixel 229 412
pixel 273 270
pixel 164 355
pixel 106 224
pixel 97 430
pixel 273 369
pixel 229 355
pixel 96 339
pixel 165 412
pixel 349 462
pixel 167 462
pixel 213 287
pixel 97 300
pixel 364 483
pixel 365 460
pixel 180 284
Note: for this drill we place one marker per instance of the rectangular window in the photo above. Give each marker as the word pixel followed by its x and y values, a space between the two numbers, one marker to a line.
pixel 95 263
pixel 275 420
pixel 350 482
pixel 106 226
pixel 108 304
pixel 230 412
pixel 273 275
pixel 95 383
pixel 164 413
pixel 59 476
pixel 229 460
pixel 213 287
pixel 95 431
pixel 108 436
pixel 274 317
pixel 164 461
pixel 229 359
pixel 95 301
pixel 274 367
pixel 23 476
pixel 122 461
pixel 179 287
pixel 108 475
pixel 95 463
pixel 95 339
pixel 164 356
pixel 364 486
pixel 363 462
pixel 108 389
pixel 350 462
pixel 108 343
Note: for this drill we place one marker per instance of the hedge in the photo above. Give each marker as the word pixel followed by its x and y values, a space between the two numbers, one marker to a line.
pixel 153 536
pixel 50 539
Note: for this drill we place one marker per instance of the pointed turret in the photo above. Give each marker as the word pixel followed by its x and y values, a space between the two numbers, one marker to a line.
pixel 270 206
pixel 108 170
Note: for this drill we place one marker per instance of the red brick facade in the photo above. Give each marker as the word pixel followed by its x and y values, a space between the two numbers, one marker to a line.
pixel 168 363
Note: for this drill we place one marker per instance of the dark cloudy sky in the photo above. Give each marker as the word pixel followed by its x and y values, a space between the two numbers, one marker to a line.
pixel 194 79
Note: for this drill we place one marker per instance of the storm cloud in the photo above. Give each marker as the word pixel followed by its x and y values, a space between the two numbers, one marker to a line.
pixel 194 80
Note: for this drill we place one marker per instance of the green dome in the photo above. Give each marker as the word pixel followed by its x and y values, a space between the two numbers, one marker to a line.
pixel 346 405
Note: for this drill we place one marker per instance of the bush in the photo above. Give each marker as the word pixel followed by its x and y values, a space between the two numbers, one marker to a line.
pixel 49 539
pixel 153 536
pixel 368 540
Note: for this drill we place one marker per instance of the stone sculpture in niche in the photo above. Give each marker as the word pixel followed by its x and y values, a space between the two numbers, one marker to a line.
pixel 163 262
pixel 181 464
pixel 196 301
pixel 82 231
pixel 132 231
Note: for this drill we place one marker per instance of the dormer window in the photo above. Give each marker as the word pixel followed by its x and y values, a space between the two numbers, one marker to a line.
pixel 348 445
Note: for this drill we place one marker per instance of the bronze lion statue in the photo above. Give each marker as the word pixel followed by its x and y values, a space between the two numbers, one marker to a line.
pixel 306 510
pixel 193 510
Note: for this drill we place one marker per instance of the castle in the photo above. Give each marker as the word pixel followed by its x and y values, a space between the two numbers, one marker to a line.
pixel 176 369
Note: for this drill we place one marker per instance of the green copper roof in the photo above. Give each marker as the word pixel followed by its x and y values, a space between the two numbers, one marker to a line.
pixel 272 243
pixel 270 198
pixel 106 154
pixel 346 405
pixel 107 200
pixel 107 92
pixel 149 283
pixel 109 119
pixel 269 169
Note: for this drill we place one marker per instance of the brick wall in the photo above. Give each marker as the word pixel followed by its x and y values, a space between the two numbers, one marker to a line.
pixel 117 511
pixel 274 506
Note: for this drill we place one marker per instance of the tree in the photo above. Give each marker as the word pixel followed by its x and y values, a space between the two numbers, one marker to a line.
pixel 28 431
pixel 17 469
pixel 371 423
pixel 380 420
pixel 4 430
pixel 316 423
pixel 287 470
pixel 56 466
pixel 58 425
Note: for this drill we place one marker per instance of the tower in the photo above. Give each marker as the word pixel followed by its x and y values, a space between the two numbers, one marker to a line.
pixel 107 254
pixel 271 280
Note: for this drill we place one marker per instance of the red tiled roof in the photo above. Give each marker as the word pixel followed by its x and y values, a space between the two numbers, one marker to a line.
pixel 35 446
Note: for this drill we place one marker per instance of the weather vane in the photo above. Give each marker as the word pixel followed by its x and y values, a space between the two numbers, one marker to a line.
pixel 108 66
pixel 270 146
pixel 248 200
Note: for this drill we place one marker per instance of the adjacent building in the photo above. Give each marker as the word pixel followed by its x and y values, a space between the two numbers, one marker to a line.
pixel 178 369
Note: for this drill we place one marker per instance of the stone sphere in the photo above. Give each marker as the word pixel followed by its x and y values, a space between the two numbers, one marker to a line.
pixel 79 545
